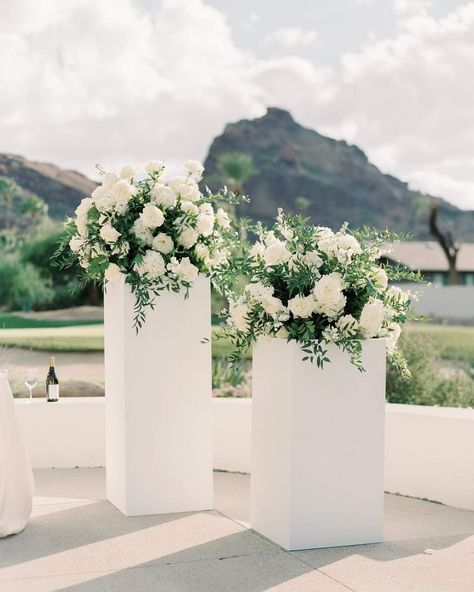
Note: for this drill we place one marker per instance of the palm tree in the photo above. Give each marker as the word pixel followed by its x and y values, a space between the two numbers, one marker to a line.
pixel 33 208
pixel 8 191
pixel 236 168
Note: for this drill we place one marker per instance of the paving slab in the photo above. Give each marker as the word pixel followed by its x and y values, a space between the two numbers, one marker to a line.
pixel 77 541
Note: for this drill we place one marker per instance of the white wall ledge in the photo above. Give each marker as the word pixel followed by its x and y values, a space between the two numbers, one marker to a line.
pixel 429 451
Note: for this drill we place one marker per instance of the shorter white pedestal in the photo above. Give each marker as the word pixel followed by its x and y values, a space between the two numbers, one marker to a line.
pixel 158 402
pixel 317 446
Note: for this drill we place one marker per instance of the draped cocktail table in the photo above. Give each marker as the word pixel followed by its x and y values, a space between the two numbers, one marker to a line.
pixel 16 475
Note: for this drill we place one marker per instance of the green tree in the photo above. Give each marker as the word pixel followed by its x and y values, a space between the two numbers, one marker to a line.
pixel 302 203
pixel 8 191
pixel 236 168
pixel 33 209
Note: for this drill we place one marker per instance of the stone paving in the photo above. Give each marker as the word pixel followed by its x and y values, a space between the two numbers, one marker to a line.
pixel 77 541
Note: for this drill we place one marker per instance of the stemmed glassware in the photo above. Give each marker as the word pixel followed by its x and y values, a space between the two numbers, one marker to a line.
pixel 31 378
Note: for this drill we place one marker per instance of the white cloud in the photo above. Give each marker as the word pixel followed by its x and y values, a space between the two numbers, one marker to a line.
pixel 86 81
pixel 411 7
pixel 292 37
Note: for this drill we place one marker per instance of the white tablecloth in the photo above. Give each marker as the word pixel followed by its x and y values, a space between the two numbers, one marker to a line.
pixel 16 475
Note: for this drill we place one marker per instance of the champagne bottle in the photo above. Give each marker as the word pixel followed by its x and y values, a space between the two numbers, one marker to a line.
pixel 52 383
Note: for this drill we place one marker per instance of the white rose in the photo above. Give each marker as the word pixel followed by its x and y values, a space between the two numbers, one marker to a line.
pixel 380 278
pixel 142 232
pixel 348 324
pixel 222 218
pixel 205 224
pixel 302 306
pixel 239 316
pixel 127 172
pixel 84 207
pixel 152 265
pixel 189 207
pixel 108 180
pixel 123 191
pixel 312 259
pixel 371 317
pixel 163 195
pixel 257 250
pixel 113 273
pixel 104 204
pixel 109 233
pixel 152 217
pixel 202 251
pixel 323 232
pixel 194 167
pixel 206 208
pixel 272 306
pixel 187 271
pixel 330 299
pixel 258 291
pixel 163 243
pixel 188 237
pixel 186 189
pixel 276 253
pixel 76 243
pixel 154 166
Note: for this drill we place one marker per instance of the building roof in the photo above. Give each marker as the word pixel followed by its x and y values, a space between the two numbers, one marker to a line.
pixel 428 256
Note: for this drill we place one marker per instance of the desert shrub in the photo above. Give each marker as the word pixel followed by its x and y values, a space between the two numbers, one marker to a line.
pixel 21 285
pixel 428 385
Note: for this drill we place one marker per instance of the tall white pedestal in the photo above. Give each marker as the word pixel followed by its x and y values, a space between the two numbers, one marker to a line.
pixel 317 446
pixel 158 402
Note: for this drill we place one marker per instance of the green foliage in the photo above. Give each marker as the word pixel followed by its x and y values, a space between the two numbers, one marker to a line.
pixel 21 285
pixel 430 384
pixel 20 211
pixel 236 168
pixel 302 203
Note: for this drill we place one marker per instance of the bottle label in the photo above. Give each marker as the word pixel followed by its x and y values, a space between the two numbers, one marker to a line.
pixel 53 392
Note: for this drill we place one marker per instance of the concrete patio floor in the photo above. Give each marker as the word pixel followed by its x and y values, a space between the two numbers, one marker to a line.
pixel 77 541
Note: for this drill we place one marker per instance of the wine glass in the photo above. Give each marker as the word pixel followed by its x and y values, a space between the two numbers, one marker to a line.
pixel 31 378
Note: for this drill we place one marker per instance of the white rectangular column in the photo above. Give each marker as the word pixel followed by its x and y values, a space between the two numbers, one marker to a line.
pixel 158 402
pixel 317 446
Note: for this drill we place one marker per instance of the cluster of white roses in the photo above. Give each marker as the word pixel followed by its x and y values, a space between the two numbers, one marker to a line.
pixel 314 285
pixel 160 231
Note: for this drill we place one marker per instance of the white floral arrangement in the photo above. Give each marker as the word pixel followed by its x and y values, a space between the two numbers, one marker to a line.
pixel 158 232
pixel 317 287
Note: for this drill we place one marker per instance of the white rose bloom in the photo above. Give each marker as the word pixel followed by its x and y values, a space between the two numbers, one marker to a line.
pixel 127 172
pixel 113 273
pixel 371 317
pixel 189 207
pixel 186 189
pixel 380 279
pixel 152 217
pixel 323 232
pixel 99 192
pixel 312 259
pixel 152 265
pixel 142 232
pixel 302 306
pixel 272 306
pixel 163 195
pixel 270 238
pixel 194 167
pixel 186 271
pixel 202 251
pixel 222 219
pixel 84 207
pixel 205 224
pixel 108 180
pixel 330 299
pixel 105 204
pixel 188 237
pixel 239 316
pixel 109 234
pixel 276 253
pixel 76 243
pixel 348 324
pixel 154 166
pixel 206 208
pixel 258 291
pixel 81 225
pixel 257 250
pixel 122 192
pixel 349 243
pixel 163 243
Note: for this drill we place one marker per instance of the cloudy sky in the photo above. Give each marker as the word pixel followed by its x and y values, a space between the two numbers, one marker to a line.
pixel 114 81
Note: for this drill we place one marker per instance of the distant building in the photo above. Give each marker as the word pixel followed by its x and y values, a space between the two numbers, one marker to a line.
pixel 428 257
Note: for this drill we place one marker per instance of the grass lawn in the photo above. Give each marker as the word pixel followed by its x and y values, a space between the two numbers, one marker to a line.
pixel 9 321
pixel 454 343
